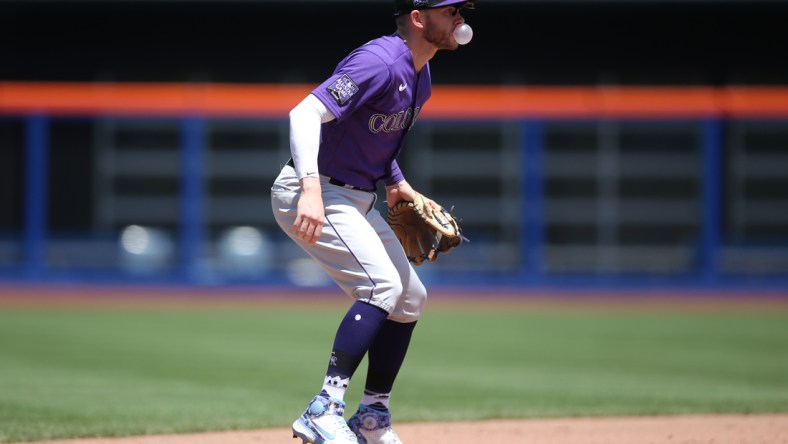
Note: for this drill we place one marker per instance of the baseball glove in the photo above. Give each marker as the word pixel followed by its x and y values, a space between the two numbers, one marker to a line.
pixel 424 231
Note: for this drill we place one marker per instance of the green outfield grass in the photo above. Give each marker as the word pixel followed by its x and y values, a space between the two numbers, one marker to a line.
pixel 110 372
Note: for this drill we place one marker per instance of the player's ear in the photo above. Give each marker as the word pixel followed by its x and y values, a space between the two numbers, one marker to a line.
pixel 416 18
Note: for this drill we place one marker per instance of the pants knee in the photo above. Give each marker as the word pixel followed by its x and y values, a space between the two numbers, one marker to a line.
pixel 410 304
pixel 404 303
pixel 384 294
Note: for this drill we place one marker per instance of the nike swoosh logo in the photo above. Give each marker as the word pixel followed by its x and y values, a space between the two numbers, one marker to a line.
pixel 324 432
pixel 403 87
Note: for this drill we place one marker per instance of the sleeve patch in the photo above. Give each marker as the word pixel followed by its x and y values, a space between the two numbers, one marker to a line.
pixel 342 89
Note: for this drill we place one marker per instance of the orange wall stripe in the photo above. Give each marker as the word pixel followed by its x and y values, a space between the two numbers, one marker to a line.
pixel 149 99
pixel 448 101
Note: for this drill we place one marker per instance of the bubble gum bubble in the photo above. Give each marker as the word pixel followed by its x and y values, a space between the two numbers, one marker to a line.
pixel 463 34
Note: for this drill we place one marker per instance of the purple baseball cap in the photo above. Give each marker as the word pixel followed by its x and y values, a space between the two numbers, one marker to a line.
pixel 405 6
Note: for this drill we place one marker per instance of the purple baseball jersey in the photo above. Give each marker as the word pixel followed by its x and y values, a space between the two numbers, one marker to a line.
pixel 376 95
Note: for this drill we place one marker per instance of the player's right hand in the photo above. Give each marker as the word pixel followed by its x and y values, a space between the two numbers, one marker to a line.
pixel 310 213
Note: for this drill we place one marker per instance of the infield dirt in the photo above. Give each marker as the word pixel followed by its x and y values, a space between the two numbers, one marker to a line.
pixel 722 429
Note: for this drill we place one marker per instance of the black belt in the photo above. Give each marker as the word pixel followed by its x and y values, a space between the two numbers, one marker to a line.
pixel 336 182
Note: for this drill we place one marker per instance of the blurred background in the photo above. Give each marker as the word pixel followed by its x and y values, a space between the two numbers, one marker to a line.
pixel 600 180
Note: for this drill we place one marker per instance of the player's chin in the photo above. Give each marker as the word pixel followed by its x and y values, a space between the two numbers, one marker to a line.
pixel 449 44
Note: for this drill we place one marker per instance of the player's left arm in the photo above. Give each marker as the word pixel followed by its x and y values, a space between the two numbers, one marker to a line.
pixel 398 192
pixel 402 191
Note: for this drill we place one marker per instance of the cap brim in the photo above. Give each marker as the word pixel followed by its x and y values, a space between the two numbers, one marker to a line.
pixel 467 4
pixel 450 3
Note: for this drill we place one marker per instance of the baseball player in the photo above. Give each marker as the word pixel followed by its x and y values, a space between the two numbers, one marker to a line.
pixel 345 137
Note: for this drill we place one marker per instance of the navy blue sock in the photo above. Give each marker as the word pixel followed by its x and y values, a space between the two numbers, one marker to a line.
pixel 354 336
pixel 386 355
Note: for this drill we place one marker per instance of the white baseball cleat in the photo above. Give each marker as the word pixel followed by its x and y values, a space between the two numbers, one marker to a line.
pixel 373 426
pixel 323 423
